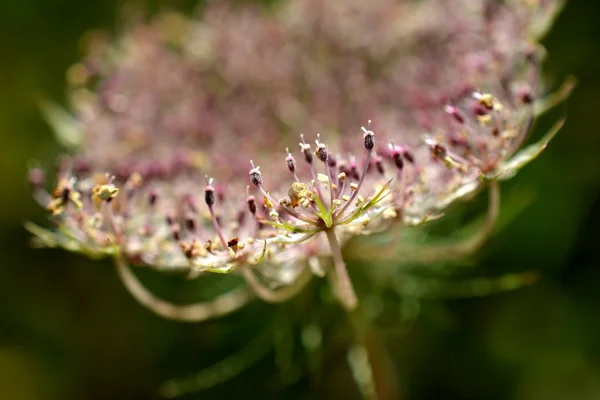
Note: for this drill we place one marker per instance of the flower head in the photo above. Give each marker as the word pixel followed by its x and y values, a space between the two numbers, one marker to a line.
pixel 448 120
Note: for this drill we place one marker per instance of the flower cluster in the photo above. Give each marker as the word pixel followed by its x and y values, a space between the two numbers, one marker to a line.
pixel 171 116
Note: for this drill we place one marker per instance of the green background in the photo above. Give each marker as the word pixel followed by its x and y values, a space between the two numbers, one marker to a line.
pixel 69 330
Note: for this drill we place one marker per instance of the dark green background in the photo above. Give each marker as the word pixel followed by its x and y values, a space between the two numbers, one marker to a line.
pixel 68 330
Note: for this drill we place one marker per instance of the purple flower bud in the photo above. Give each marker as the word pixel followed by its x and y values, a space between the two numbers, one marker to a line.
pixel 255 176
pixel 453 111
pixel 525 95
pixel 81 167
pixel 331 160
pixel 478 109
pixel 37 178
pixel 321 153
pixel 398 160
pixel 152 197
pixel 379 166
pixel 175 231
pixel 209 195
pixel 190 223
pixel 251 205
pixel 369 138
pixel 291 163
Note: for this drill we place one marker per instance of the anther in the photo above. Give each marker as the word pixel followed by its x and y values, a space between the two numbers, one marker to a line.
pixel 379 165
pixel 291 162
pixel 251 201
pixel 397 156
pixel 331 160
pixel 453 112
pixel 252 205
pixel 525 95
pixel 321 150
pixel 190 224
pixel 305 148
pixel 485 99
pixel 255 175
pixel 152 197
pixel 369 137
pixel 209 192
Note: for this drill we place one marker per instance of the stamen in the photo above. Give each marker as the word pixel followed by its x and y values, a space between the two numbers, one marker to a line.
pixel 291 164
pixel 309 159
pixel 209 197
pixel 362 177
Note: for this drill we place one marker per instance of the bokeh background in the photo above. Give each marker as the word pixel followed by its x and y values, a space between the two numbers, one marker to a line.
pixel 69 330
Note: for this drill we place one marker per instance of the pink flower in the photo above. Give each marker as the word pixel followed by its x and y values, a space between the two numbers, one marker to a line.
pixel 167 119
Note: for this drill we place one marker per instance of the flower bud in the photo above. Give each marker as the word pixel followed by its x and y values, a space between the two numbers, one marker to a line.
pixel 251 205
pixel 453 111
pixel 369 138
pixel 321 152
pixel 255 175
pixel 291 162
pixel 209 195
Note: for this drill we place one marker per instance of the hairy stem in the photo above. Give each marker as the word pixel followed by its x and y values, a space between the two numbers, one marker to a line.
pixel 219 306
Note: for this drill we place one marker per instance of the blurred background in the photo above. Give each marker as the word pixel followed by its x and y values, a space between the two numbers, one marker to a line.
pixel 69 330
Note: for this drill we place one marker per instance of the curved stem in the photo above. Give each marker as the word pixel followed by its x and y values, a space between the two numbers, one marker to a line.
pixel 219 306
pixel 280 295
pixel 343 285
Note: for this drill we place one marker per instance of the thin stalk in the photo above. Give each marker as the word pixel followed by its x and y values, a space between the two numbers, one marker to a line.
pixel 360 182
pixel 202 311
pixel 279 295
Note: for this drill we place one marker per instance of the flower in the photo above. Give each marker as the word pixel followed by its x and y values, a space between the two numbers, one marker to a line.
pixel 160 176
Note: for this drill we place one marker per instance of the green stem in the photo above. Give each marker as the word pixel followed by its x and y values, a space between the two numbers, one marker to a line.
pixel 219 306
pixel 343 286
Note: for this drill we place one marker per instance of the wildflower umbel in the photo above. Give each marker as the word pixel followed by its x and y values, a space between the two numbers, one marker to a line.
pixel 139 193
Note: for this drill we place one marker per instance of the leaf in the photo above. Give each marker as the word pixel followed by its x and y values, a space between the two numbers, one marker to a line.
pixel 262 255
pixel 529 153
pixel 47 238
pixel 67 129
pixel 471 287
pixel 545 104
pixel 542 24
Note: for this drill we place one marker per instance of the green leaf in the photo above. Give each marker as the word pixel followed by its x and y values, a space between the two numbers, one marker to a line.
pixel 67 129
pixel 529 153
pixel 553 99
